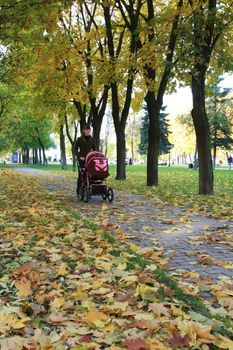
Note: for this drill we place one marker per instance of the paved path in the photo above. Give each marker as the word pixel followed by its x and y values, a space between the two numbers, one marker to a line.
pixel 184 241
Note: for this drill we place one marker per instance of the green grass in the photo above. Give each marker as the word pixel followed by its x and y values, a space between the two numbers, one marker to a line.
pixel 50 167
pixel 177 186
pixel 3 166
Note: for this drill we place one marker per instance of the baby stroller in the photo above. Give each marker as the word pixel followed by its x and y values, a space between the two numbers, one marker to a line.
pixel 93 176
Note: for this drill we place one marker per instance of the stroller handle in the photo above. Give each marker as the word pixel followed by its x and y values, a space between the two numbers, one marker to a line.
pixel 78 163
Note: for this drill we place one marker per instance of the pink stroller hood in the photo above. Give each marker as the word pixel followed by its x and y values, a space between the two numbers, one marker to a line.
pixel 97 165
pixel 94 154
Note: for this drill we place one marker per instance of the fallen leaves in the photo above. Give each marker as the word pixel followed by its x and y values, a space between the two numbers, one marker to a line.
pixel 95 316
pixel 11 321
pixel 24 287
pixel 159 309
pixel 178 342
pixel 136 344
pixel 77 290
pixel 204 333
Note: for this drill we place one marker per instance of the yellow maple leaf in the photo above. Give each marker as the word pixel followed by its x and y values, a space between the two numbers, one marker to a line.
pixel 192 274
pixel 32 211
pixel 62 271
pixel 122 266
pixel 79 294
pixel 93 316
pixel 57 303
pixel 147 292
pixel 24 287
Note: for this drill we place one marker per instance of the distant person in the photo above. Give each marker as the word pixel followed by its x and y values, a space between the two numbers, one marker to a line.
pixel 84 145
pixel 230 161
pixel 130 161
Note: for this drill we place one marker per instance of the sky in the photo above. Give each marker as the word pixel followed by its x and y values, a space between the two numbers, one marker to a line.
pixel 181 101
pixel 178 102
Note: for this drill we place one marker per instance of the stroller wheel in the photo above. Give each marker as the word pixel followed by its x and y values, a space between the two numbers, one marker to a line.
pixel 86 194
pixel 110 194
pixel 104 196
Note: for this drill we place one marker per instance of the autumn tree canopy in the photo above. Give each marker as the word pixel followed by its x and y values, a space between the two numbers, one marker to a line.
pixel 75 59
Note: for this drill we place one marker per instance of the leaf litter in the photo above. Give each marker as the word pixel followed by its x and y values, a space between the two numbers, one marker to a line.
pixel 67 285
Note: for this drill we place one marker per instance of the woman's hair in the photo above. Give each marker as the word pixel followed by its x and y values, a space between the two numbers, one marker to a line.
pixel 86 126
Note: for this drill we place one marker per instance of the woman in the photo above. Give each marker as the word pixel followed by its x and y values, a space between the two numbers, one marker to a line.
pixel 84 145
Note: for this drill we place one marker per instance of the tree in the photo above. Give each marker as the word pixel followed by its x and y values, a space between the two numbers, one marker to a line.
pixel 63 148
pixel 31 133
pixel 7 98
pixel 72 138
pixel 165 145
pixel 219 108
pixel 210 20
pixel 153 48
pixel 22 129
pixel 86 36
pixel 121 50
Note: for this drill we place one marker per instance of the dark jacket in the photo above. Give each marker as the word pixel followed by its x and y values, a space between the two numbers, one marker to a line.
pixel 84 145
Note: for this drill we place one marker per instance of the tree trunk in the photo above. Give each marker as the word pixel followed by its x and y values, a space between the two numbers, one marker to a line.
pixel 63 148
pixel 82 110
pixel 120 118
pixel 23 156
pixel 40 156
pixel 97 112
pixel 72 140
pixel 36 156
pixel 74 163
pixel 45 161
pixel 121 151
pixel 44 158
pixel 27 155
pixel 202 130
pixel 33 157
pixel 96 124
pixel 153 139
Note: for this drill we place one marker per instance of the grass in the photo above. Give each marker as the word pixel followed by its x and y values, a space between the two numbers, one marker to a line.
pixel 177 186
pixel 3 166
